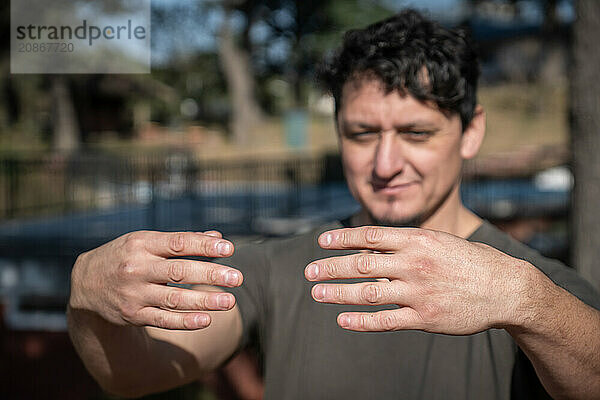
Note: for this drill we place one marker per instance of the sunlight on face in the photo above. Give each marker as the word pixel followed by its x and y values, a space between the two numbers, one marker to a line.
pixel 402 157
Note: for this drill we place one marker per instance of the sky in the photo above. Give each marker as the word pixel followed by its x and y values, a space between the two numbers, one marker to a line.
pixel 201 36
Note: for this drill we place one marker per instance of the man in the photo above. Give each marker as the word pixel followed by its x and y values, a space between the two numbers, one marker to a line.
pixel 468 312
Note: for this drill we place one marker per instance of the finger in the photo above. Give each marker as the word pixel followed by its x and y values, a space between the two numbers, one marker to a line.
pixel 381 321
pixel 216 234
pixel 172 244
pixel 364 293
pixel 378 238
pixel 152 316
pixel 361 265
pixel 173 298
pixel 194 272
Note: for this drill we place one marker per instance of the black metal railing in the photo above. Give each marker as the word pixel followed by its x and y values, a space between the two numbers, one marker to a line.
pixel 54 184
pixel 52 208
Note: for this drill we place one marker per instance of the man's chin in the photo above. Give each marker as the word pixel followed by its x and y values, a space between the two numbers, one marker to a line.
pixel 399 221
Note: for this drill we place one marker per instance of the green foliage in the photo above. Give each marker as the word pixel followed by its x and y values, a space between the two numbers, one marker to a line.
pixel 285 39
pixel 295 35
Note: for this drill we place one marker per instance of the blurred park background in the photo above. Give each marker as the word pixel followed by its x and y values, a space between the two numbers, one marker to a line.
pixel 230 132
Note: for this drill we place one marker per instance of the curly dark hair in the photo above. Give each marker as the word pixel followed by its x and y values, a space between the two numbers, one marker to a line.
pixel 409 53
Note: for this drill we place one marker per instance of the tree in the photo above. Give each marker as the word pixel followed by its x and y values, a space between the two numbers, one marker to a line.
pixel 65 137
pixel 311 29
pixel 585 140
pixel 235 63
pixel 303 29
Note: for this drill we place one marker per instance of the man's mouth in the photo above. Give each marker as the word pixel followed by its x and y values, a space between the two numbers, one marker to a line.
pixel 392 187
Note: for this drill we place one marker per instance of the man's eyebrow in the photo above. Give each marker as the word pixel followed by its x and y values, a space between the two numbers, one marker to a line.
pixel 427 125
pixel 361 125
pixel 401 127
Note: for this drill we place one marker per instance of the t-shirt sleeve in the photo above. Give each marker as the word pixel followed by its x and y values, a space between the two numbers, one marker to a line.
pixel 251 261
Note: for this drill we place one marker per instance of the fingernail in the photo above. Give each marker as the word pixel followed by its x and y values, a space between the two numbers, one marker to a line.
pixel 312 271
pixel 327 239
pixel 232 278
pixel 201 320
pixel 319 292
pixel 223 301
pixel 212 234
pixel 224 248
pixel 344 321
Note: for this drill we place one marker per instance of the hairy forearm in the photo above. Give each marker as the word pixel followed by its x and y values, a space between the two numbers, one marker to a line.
pixel 125 360
pixel 561 336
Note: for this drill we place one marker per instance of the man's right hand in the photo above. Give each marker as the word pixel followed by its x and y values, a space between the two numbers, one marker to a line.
pixel 125 280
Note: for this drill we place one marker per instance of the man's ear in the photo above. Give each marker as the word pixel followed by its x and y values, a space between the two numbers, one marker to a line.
pixel 472 137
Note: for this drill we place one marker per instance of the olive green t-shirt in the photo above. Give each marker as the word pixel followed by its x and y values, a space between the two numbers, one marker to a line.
pixel 308 356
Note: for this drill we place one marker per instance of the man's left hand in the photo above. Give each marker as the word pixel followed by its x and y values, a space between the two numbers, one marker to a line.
pixel 441 283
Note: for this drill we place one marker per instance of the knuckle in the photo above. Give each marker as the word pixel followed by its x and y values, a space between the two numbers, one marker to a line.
pixel 128 312
pixel 208 246
pixel 82 258
pixel 173 299
pixel 133 241
pixel 127 270
pixel 203 302
pixel 366 320
pixel 331 271
pixel 387 322
pixel 337 292
pixel 365 263
pixel 177 271
pixel 177 243
pixel 428 238
pixel 371 293
pixel 186 322
pixel 162 320
pixel 373 235
pixel 213 276
pixel 421 237
pixel 344 238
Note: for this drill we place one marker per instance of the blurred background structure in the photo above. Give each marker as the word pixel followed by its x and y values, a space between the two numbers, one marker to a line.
pixel 229 132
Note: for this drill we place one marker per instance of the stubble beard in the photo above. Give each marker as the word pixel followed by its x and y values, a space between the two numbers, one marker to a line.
pixel 410 222
pixel 415 221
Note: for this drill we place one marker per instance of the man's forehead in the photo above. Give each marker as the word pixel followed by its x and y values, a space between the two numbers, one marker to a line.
pixel 364 85
pixel 368 102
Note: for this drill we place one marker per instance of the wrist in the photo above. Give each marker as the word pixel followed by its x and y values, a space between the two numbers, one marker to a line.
pixel 535 294
pixel 77 297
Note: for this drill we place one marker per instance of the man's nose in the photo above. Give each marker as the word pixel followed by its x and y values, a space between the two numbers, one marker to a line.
pixel 389 158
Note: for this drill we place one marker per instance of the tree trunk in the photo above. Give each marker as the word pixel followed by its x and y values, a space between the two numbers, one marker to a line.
pixel 585 140
pixel 66 128
pixel 235 62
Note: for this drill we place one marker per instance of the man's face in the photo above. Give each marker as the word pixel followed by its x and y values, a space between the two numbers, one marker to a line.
pixel 402 158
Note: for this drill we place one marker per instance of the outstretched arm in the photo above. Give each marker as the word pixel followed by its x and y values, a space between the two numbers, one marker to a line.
pixel 135 334
pixel 561 337
pixel 445 284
